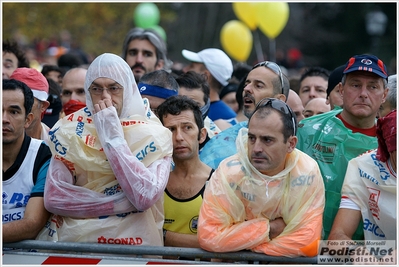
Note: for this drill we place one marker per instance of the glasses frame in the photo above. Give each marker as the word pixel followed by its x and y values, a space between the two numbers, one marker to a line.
pixel 108 90
pixel 283 107
pixel 276 70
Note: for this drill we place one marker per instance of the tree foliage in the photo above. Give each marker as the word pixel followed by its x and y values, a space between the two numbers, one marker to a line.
pixel 326 33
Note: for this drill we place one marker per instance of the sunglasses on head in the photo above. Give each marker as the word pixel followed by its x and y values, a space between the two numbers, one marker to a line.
pixel 277 105
pixel 275 68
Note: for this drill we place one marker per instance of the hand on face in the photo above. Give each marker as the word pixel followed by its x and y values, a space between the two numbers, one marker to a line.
pixel 102 104
pixel 108 93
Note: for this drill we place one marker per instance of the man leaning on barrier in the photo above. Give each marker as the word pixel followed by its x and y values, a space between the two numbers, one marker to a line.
pixel 25 164
pixel 369 190
pixel 110 165
pixel 267 198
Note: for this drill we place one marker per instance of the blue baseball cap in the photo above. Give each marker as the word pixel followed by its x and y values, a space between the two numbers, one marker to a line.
pixel 368 63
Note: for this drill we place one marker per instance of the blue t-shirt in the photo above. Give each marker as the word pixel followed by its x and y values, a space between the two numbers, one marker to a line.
pixel 220 110
pixel 221 146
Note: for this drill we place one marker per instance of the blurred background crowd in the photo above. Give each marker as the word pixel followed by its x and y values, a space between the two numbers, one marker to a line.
pixel 295 35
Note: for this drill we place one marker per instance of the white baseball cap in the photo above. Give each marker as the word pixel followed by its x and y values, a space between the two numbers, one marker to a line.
pixel 215 60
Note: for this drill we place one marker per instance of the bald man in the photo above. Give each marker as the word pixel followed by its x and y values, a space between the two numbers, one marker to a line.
pixel 295 103
pixel 73 95
pixel 73 85
pixel 316 106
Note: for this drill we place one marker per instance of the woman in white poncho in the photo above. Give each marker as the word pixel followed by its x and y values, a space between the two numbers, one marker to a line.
pixel 110 165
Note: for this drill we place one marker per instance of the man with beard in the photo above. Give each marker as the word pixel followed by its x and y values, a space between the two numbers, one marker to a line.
pixel 265 80
pixel 144 51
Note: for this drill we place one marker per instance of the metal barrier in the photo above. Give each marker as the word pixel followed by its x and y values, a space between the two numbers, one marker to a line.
pixel 125 253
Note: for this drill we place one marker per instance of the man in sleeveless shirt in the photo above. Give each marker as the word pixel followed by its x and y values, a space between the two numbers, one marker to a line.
pixel 183 193
pixel 25 165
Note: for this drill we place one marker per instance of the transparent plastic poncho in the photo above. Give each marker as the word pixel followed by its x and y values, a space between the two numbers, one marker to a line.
pixel 239 203
pixel 104 164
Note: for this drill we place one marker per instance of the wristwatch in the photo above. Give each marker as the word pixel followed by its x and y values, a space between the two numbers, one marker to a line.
pixel 164 234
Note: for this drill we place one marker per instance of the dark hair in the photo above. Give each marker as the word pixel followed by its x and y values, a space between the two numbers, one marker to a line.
pixel 231 87
pixel 18 85
pixel 54 87
pixel 192 81
pixel 13 47
pixel 153 38
pixel 240 91
pixel 174 105
pixel 68 61
pixel 288 128
pixel 47 68
pixel 160 78
pixel 241 70
pixel 315 71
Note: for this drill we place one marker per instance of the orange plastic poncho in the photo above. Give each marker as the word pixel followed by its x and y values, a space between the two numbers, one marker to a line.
pixel 239 202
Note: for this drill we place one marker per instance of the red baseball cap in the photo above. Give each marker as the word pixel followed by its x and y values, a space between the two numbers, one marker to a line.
pixel 34 80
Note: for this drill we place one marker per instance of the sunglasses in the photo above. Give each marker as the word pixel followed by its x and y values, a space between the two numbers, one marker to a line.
pixel 277 105
pixel 275 68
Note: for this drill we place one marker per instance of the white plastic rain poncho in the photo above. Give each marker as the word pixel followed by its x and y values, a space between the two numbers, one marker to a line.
pixel 106 180
pixel 372 185
pixel 239 202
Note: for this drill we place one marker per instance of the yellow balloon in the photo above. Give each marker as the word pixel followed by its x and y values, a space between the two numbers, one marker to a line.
pixel 245 11
pixel 236 40
pixel 272 17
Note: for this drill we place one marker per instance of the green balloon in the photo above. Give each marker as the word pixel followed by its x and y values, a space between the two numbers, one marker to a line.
pixel 158 29
pixel 146 15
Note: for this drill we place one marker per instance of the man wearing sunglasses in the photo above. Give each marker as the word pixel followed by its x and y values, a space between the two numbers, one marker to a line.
pixel 333 138
pixel 263 81
pixel 269 196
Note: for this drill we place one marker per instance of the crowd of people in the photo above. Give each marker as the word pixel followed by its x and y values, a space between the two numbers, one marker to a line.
pixel 129 150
